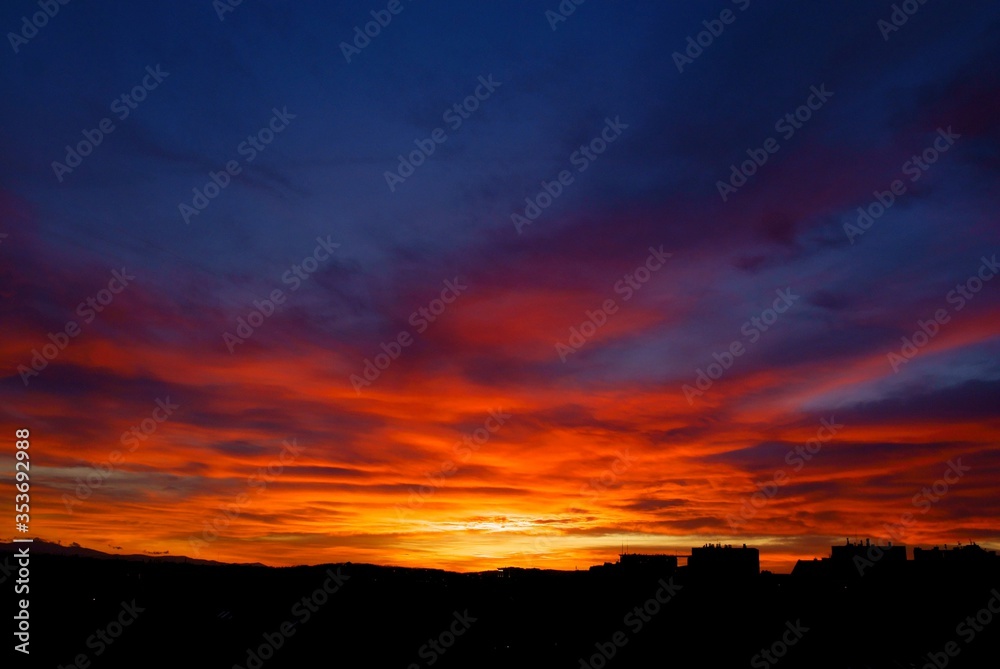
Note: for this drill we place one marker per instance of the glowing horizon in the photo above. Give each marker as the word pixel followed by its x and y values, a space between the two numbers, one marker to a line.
pixel 297 308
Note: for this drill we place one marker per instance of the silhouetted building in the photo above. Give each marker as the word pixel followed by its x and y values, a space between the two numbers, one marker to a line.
pixel 719 561
pixel 638 565
pixel 868 551
pixel 640 561
pixel 971 552
pixel 811 569
pixel 851 560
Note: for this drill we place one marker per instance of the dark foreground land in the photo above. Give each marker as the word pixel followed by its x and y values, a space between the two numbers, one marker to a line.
pixel 115 612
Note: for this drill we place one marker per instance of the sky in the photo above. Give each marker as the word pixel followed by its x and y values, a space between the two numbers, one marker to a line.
pixel 501 284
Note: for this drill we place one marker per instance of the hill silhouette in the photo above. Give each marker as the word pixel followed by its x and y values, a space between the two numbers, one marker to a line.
pixel 89 608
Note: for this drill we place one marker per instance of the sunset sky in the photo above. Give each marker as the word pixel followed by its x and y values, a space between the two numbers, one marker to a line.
pixel 525 399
